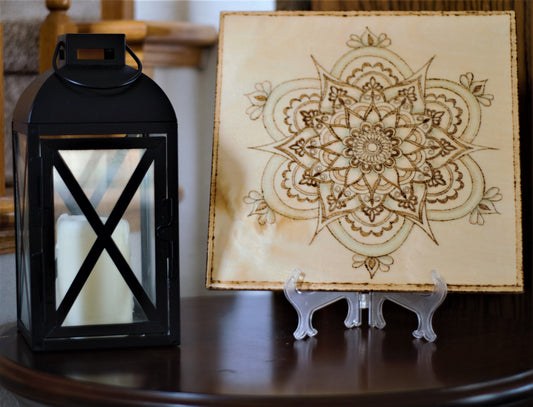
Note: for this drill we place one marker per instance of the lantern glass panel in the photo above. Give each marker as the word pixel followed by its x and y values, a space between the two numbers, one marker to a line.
pixel 23 240
pixel 103 175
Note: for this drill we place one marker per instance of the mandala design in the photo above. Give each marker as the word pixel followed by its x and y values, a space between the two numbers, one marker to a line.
pixel 371 149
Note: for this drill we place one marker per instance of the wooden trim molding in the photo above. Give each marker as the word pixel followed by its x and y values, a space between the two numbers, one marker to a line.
pixel 177 43
pixel 160 43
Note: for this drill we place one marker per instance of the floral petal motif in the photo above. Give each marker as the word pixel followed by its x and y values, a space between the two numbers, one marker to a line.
pixel 260 208
pixel 299 183
pixel 301 147
pixel 368 39
pixel 442 149
pixel 486 206
pixel 335 94
pixel 411 91
pixel 258 99
pixel 335 203
pixel 303 112
pixel 373 264
pixel 444 111
pixel 477 88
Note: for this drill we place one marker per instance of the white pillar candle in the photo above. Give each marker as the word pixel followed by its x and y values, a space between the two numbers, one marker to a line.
pixel 105 298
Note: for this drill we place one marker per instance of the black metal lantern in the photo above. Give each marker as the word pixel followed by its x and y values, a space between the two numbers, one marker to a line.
pixel 96 195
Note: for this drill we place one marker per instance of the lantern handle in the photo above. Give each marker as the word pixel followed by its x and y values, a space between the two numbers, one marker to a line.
pixel 138 72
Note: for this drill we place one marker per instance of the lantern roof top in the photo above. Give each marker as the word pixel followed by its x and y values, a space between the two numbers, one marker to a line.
pixel 49 99
pixel 91 86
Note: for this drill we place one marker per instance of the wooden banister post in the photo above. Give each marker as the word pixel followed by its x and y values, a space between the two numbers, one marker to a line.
pixel 56 23
pixel 117 9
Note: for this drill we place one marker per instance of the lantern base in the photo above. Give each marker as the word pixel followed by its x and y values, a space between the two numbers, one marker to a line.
pixel 96 342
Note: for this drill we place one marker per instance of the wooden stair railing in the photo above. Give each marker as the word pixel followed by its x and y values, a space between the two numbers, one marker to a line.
pixel 177 43
pixel 168 44
pixel 160 43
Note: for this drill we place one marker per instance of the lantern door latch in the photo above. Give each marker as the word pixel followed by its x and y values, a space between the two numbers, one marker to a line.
pixel 168 231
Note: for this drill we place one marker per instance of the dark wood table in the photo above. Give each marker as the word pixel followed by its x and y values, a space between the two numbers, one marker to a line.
pixel 238 350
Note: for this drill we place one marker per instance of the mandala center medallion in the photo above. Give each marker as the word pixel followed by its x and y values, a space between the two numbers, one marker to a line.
pixel 371 147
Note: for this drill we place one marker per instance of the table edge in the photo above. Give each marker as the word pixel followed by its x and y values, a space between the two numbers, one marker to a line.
pixel 61 391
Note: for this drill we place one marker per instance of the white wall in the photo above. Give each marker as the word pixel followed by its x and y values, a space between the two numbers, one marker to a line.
pixel 192 92
pixel 196 11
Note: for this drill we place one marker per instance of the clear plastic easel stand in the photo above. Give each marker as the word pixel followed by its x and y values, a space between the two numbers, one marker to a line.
pixel 307 302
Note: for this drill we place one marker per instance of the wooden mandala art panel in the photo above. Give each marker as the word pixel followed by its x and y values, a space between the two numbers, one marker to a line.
pixel 366 150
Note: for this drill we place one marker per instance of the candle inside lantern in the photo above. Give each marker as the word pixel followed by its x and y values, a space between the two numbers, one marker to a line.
pixel 105 297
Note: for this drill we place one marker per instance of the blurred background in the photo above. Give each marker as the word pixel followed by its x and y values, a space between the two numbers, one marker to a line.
pixel 191 90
